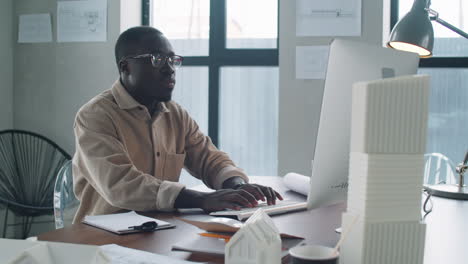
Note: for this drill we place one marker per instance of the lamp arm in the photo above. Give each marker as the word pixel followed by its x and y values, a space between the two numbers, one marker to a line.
pixel 461 169
pixel 435 17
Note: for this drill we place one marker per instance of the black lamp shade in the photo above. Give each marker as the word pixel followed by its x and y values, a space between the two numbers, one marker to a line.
pixel 413 33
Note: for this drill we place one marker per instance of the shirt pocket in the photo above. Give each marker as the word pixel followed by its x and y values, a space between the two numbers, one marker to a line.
pixel 173 166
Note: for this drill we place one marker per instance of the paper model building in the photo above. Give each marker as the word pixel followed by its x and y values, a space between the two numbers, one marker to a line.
pixel 386 169
pixel 257 242
pixel 39 252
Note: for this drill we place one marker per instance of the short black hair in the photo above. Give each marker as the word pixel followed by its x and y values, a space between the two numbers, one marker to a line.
pixel 131 38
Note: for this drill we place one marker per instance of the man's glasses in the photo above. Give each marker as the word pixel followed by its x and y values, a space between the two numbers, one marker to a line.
pixel 158 60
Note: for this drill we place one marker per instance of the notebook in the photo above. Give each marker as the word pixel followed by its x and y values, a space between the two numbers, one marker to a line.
pixel 123 223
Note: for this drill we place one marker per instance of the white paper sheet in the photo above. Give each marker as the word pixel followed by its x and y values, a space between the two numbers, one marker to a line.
pixel 121 223
pixel 80 21
pixel 34 28
pixel 311 62
pixel 328 18
pixel 124 255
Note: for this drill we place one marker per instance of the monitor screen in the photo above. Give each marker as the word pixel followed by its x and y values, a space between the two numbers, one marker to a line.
pixel 349 62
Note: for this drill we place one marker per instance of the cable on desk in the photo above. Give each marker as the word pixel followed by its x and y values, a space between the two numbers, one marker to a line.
pixel 427 205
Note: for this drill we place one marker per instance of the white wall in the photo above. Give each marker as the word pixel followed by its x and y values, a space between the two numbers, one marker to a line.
pixel 53 80
pixel 300 100
pixel 6 65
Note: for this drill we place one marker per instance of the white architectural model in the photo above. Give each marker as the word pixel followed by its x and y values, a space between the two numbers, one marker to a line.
pixel 257 242
pixel 388 139
pixel 40 252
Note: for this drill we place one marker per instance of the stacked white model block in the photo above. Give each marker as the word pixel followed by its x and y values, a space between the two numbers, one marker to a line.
pixel 386 168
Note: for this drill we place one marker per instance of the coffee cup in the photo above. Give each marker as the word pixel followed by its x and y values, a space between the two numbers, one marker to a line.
pixel 313 254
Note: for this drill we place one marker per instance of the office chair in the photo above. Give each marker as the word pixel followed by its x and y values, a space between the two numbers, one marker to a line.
pixel 65 202
pixel 29 163
pixel 438 169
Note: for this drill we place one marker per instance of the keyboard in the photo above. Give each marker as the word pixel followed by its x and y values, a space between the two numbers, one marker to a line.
pixel 280 207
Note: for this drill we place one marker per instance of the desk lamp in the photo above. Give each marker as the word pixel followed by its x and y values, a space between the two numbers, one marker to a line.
pixel 414 32
pixel 452 191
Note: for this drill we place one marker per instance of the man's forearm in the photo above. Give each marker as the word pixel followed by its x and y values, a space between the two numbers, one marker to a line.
pixel 233 182
pixel 192 199
pixel 188 199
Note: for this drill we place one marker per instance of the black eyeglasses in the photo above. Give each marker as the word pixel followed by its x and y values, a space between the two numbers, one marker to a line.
pixel 158 60
pixel 147 226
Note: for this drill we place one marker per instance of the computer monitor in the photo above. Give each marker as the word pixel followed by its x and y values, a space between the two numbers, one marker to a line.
pixel 348 62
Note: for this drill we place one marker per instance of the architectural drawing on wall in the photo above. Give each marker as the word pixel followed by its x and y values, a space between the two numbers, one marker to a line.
pixel 82 21
pixel 93 20
pixel 328 18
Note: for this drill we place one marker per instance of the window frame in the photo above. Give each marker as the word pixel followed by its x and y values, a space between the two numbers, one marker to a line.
pixel 220 56
pixel 435 61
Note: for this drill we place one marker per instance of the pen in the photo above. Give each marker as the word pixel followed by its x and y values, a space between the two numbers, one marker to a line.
pixel 225 237
pixel 147 226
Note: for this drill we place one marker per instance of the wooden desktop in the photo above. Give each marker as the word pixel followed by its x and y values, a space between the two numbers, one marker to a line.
pixel 446 229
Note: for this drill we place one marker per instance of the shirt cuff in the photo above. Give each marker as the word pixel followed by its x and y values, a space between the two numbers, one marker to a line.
pixel 226 173
pixel 167 194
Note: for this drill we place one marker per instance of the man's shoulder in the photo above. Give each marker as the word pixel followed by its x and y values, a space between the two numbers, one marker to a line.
pixel 100 104
pixel 175 108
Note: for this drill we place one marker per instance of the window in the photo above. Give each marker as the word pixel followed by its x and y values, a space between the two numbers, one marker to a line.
pixel 246 29
pixel 448 107
pixel 229 80
pixel 192 93
pixel 186 23
pixel 249 95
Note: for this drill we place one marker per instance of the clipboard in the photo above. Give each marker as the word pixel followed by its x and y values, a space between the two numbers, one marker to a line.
pixel 126 223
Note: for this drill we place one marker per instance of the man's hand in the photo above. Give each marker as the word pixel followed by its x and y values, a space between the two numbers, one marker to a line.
pixel 215 201
pixel 227 198
pixel 261 192
pixel 235 195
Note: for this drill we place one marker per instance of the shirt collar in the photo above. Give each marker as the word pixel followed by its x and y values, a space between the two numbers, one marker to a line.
pixel 126 101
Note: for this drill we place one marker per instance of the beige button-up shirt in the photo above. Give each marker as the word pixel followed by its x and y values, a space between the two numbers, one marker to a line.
pixel 127 159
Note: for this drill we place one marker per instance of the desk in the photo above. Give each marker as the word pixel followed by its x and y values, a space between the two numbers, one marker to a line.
pixel 444 242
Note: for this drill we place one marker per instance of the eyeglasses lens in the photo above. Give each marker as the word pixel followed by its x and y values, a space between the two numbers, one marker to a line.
pixel 158 61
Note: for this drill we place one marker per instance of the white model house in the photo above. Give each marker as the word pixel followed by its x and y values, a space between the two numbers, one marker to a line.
pixel 257 242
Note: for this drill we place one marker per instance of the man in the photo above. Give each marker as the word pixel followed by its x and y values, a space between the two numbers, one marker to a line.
pixel 132 142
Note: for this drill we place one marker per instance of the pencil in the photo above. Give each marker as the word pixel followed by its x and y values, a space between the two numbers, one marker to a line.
pixel 225 237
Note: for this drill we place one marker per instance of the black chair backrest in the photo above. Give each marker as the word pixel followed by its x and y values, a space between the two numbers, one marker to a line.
pixel 29 164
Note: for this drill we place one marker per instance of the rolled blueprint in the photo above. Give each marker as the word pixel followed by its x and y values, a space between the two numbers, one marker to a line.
pixel 297 183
